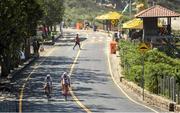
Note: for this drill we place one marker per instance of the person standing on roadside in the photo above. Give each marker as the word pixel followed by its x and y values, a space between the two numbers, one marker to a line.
pixel 77 42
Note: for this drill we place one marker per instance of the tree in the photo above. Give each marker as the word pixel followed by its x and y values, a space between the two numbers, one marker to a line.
pixel 53 12
pixel 171 4
pixel 18 20
pixel 143 2
pixel 120 4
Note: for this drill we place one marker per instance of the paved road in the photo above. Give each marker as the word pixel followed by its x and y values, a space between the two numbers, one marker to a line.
pixel 91 81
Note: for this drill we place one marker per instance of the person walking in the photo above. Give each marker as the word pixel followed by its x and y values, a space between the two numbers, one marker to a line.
pixel 77 42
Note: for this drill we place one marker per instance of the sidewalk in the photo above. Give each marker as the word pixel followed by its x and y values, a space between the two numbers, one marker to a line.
pixel 8 99
pixel 46 45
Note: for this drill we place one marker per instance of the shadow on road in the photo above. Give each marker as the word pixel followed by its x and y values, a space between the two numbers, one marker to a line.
pixel 35 98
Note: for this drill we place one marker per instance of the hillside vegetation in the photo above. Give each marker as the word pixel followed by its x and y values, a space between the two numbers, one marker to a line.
pixel 171 4
pixel 76 10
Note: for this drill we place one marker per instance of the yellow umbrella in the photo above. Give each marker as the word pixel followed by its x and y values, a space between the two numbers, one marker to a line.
pixel 114 15
pixel 109 16
pixel 133 24
pixel 102 17
pixel 136 24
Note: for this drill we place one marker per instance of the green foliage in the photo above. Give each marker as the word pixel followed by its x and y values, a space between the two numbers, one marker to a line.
pixel 125 18
pixel 171 4
pixel 78 10
pixel 158 57
pixel 157 64
pixel 144 2
pixel 53 11
pixel 135 74
pixel 18 20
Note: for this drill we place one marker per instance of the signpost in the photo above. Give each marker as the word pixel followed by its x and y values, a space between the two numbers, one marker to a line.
pixel 114 22
pixel 143 48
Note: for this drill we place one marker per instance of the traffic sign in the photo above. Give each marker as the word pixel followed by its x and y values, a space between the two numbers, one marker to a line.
pixel 114 22
pixel 143 47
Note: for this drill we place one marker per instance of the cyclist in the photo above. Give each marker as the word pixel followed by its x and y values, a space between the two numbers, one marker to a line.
pixel 65 84
pixel 48 85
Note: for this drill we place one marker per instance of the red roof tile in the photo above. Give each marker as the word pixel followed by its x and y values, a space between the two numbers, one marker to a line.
pixel 157 11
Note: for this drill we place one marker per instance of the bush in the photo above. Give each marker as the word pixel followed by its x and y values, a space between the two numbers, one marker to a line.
pixel 156 64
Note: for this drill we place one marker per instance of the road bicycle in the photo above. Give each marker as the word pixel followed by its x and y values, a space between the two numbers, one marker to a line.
pixel 65 91
pixel 48 89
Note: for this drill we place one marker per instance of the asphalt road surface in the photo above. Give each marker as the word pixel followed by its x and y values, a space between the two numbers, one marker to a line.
pixel 91 81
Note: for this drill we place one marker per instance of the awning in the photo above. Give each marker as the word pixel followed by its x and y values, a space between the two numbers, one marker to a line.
pixel 137 24
pixel 114 15
pixel 102 17
pixel 109 16
pixel 133 24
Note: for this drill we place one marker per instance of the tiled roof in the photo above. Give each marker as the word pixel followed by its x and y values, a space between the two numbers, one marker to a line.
pixel 157 11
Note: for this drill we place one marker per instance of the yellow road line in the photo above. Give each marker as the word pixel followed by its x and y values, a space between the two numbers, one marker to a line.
pixel 23 86
pixel 110 70
pixel 71 91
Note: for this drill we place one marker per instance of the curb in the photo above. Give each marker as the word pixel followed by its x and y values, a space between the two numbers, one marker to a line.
pixel 25 64
pixel 7 84
pixel 17 70
pixel 21 68
pixel 5 104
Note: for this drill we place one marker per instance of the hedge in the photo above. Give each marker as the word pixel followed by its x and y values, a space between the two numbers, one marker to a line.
pixel 156 64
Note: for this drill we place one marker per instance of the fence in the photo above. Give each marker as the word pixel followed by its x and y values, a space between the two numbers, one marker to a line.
pixel 168 87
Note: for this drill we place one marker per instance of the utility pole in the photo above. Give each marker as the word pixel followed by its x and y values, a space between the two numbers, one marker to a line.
pixel 130 8
pixel 143 74
pixel 143 48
